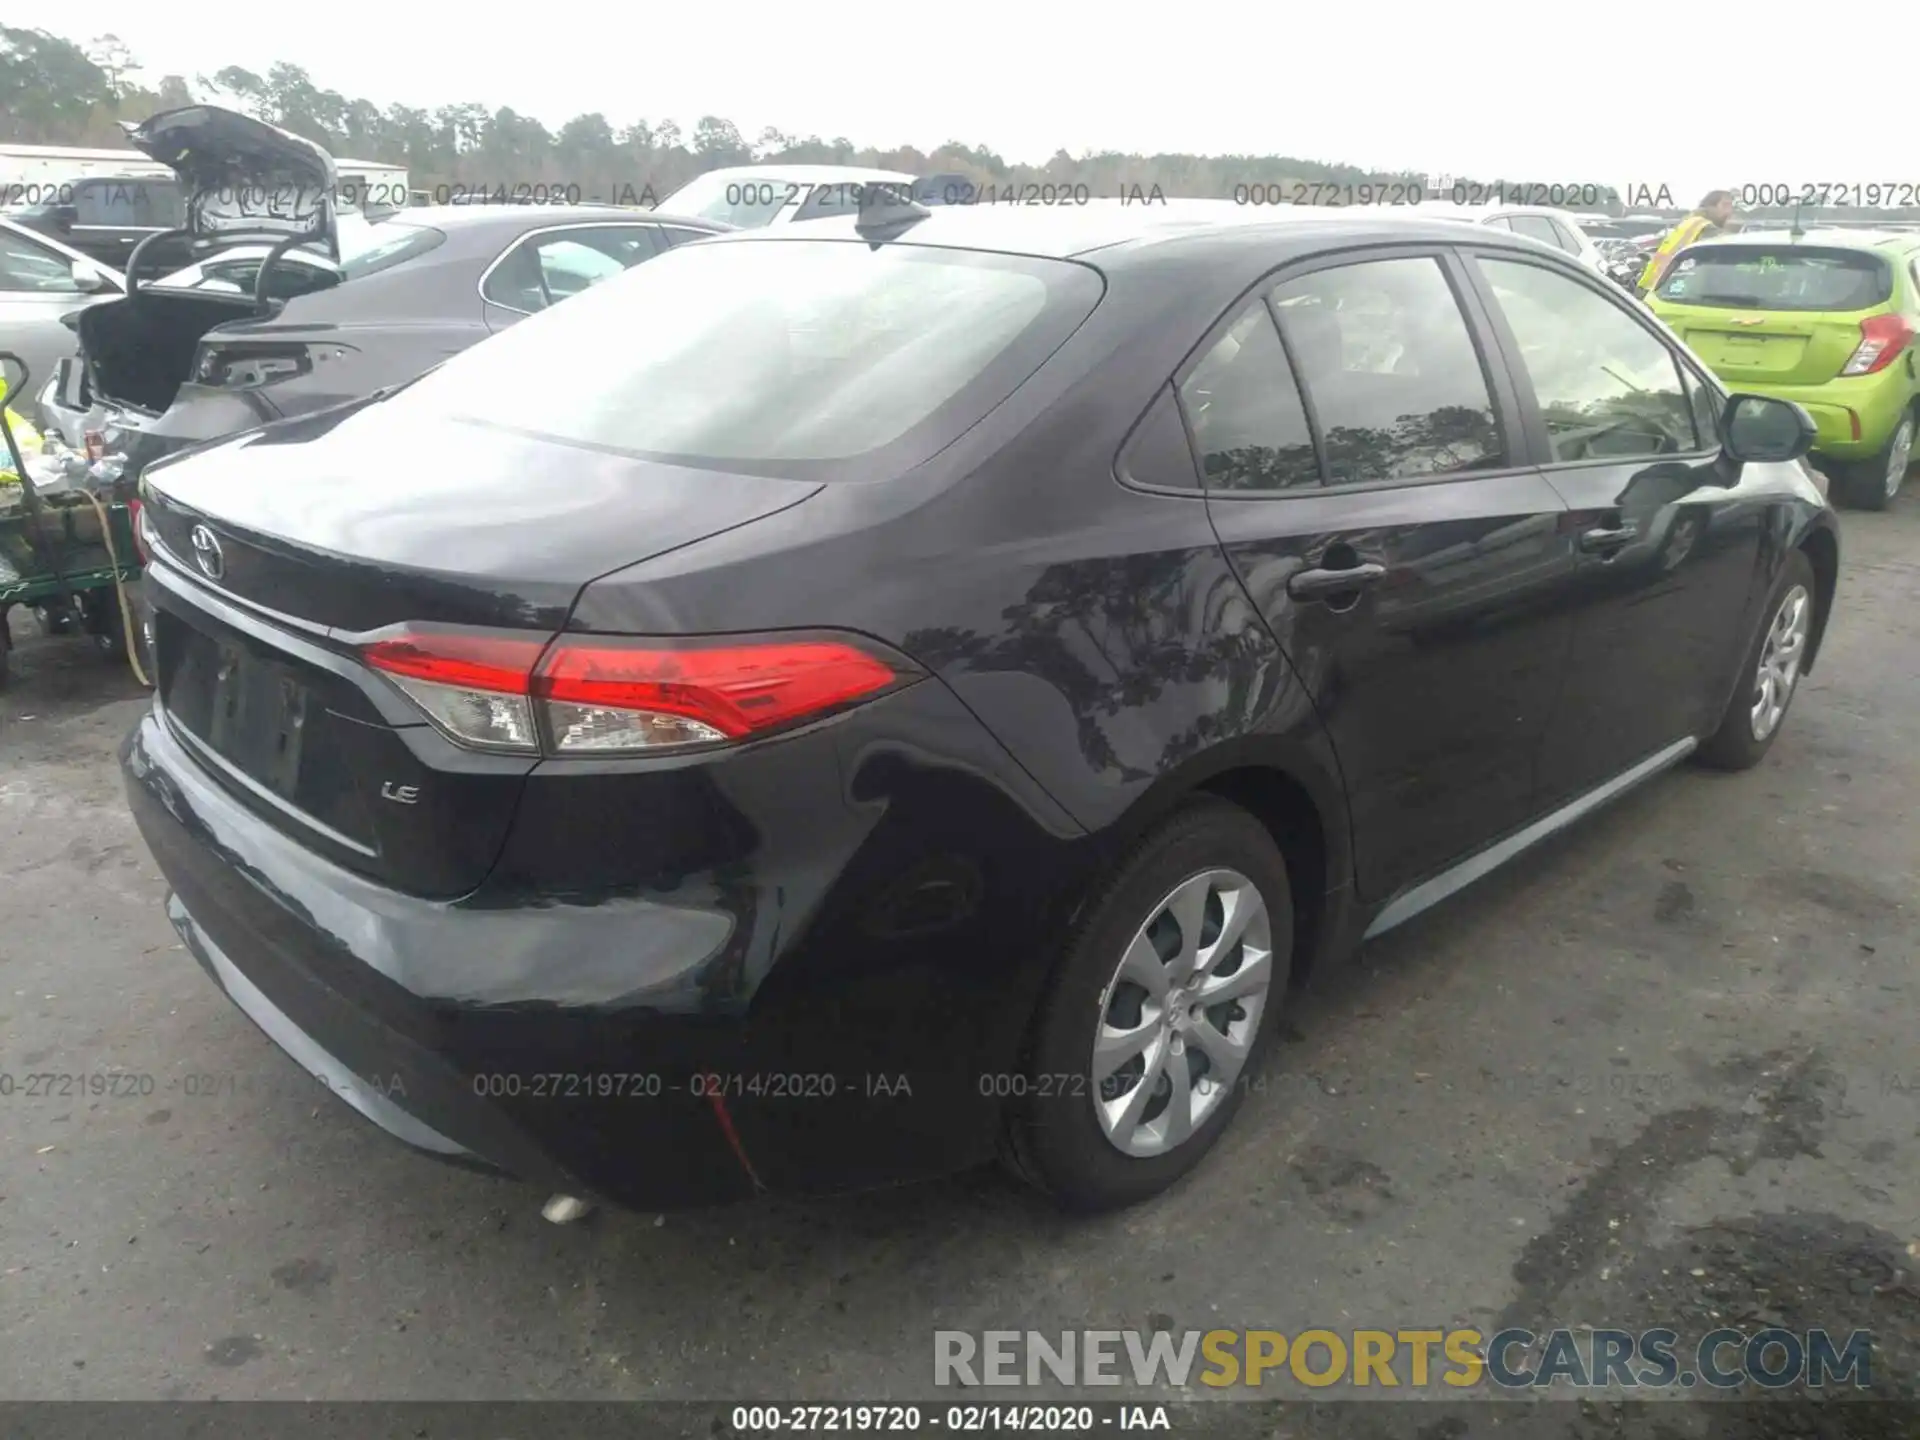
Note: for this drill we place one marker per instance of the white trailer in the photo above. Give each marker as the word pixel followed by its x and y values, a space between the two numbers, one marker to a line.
pixel 31 174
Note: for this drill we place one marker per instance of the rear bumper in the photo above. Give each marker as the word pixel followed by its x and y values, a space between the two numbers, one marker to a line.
pixel 1855 417
pixel 340 974
pixel 825 992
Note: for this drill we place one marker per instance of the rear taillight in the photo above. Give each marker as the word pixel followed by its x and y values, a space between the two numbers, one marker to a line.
pixel 611 695
pixel 137 522
pixel 471 684
pixel 1881 338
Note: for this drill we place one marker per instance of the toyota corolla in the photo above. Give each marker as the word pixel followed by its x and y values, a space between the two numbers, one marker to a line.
pixel 843 702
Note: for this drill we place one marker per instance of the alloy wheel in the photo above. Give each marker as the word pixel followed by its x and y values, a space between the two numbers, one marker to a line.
pixel 1178 1018
pixel 1780 656
pixel 1899 457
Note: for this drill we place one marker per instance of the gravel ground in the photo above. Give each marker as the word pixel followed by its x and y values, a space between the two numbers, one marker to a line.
pixel 1662 1072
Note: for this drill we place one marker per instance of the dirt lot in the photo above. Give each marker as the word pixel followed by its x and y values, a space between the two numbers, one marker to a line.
pixel 1665 1072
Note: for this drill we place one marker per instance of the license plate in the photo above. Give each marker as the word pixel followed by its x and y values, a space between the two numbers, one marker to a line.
pixel 257 717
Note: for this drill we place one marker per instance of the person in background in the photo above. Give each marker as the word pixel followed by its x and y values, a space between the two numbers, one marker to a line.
pixel 1712 216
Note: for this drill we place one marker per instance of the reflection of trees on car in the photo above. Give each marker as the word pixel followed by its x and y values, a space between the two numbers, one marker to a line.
pixel 1447 440
pixel 1108 634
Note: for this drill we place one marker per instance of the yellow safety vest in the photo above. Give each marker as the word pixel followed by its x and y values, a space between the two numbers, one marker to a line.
pixel 24 435
pixel 1682 235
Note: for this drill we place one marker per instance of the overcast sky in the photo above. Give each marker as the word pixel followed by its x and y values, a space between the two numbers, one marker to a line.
pixel 1682 94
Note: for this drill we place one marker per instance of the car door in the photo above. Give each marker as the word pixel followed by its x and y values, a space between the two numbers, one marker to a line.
pixel 1669 543
pixel 545 267
pixel 1366 474
pixel 36 289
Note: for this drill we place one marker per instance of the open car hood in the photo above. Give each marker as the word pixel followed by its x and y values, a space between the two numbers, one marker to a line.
pixel 243 179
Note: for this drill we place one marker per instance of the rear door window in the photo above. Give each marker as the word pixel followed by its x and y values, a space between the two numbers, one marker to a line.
pixel 1535 227
pixel 1565 237
pixel 1778 277
pixel 1608 387
pixel 1244 410
pixel 546 268
pixel 1391 371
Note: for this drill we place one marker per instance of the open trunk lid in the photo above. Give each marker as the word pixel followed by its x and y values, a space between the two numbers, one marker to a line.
pixel 266 586
pixel 243 182
pixel 1786 314
pixel 243 179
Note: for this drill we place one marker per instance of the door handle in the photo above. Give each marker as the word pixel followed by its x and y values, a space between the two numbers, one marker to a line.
pixel 1318 584
pixel 1605 541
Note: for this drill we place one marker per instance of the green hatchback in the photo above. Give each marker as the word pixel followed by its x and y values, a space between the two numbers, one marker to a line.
pixel 1826 318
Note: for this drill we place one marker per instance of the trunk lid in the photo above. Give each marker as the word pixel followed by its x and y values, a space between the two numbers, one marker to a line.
pixel 277 550
pixel 1775 314
pixel 243 179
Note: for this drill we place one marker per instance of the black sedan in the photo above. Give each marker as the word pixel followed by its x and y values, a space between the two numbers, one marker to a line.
pixel 843 702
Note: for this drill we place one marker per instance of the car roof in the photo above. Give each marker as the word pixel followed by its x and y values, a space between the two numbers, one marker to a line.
pixel 1124 232
pixel 535 217
pixel 1480 212
pixel 807 172
pixel 1836 238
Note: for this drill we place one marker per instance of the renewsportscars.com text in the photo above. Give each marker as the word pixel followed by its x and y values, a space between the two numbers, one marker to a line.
pixel 1580 1358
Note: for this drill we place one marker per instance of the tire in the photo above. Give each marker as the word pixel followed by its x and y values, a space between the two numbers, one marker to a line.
pixel 54 619
pixel 1739 744
pixel 104 627
pixel 1872 484
pixel 1210 854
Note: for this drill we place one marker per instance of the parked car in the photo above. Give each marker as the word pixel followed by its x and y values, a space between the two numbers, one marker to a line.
pixel 1629 227
pixel 1624 261
pixel 1537 222
pixel 40 281
pixel 259 329
pixel 750 196
pixel 106 216
pixel 1827 321
pixel 840 702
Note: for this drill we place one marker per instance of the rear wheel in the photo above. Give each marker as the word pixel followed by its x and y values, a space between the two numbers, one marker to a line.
pixel 1872 484
pixel 1770 674
pixel 1147 1039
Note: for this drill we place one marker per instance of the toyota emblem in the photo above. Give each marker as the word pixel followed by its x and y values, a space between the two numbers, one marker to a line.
pixel 206 553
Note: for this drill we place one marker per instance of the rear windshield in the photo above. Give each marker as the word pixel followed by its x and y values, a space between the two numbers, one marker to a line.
pixel 774 357
pixel 748 201
pixel 385 245
pixel 1786 277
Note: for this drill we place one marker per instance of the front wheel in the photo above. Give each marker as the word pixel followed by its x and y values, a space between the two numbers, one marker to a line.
pixel 1770 674
pixel 1147 1039
pixel 1871 484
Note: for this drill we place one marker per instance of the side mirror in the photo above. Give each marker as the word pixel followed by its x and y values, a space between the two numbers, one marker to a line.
pixel 64 217
pixel 89 279
pixel 1762 429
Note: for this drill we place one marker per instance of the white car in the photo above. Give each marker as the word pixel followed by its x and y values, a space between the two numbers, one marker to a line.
pixel 1557 228
pixel 751 196
pixel 40 281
